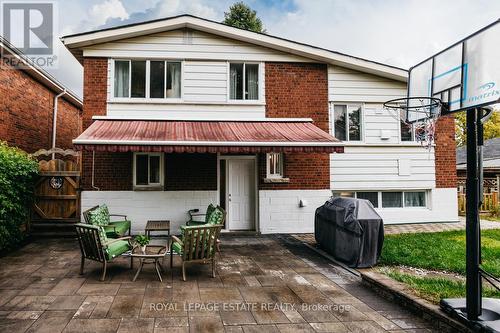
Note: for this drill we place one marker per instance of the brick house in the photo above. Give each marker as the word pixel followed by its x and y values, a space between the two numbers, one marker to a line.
pixel 27 99
pixel 183 111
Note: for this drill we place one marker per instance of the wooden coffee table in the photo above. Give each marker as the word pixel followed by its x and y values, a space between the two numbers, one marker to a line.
pixel 157 225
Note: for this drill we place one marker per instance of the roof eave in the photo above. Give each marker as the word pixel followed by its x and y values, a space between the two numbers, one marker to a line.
pixel 80 41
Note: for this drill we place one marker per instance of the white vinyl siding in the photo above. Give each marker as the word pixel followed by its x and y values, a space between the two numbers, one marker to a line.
pixel 188 44
pixel 204 94
pixel 347 85
pixel 378 167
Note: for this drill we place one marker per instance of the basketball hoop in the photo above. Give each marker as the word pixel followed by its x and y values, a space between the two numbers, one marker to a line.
pixel 421 113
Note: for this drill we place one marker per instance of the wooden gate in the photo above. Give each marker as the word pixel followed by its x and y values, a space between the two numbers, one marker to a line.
pixel 57 195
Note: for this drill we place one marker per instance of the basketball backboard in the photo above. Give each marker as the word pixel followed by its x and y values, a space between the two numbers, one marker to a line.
pixel 463 76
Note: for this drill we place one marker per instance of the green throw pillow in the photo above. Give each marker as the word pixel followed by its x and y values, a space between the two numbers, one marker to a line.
pixel 208 213
pixel 100 216
pixel 216 217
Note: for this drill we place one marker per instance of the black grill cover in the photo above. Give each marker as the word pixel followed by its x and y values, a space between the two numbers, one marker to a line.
pixel 350 230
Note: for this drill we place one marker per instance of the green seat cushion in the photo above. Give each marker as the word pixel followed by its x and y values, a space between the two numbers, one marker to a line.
pixel 99 216
pixel 177 248
pixel 117 248
pixel 121 228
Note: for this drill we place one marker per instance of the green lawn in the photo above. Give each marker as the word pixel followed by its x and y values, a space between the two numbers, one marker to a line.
pixel 442 251
pixel 434 288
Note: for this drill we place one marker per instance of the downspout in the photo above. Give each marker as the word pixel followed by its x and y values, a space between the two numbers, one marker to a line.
pixel 93 186
pixel 54 121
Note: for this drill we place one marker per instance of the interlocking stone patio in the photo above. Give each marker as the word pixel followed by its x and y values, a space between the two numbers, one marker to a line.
pixel 263 284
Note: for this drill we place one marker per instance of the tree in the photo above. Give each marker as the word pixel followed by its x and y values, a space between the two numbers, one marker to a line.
pixel 242 16
pixel 491 127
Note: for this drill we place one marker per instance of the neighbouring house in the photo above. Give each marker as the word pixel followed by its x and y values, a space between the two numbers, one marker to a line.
pixel 27 97
pixel 183 111
pixel 491 174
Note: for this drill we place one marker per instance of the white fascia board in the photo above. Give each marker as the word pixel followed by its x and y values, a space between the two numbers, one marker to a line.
pixel 206 143
pixel 315 53
pixel 276 120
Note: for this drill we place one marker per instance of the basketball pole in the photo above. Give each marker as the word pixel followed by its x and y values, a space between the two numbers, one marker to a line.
pixel 472 233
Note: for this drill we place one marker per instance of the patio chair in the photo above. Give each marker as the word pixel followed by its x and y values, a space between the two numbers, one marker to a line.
pixel 195 217
pixel 95 245
pixel 214 215
pixel 198 245
pixel 99 215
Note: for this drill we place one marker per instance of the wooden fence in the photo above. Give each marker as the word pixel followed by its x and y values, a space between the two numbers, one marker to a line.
pixel 490 202
pixel 57 195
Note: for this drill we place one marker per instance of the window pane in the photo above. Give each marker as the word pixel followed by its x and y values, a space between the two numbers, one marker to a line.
pixel 339 116
pixel 138 79
pixel 173 80
pixel 154 169
pixel 236 81
pixel 355 124
pixel 157 81
pixel 392 199
pixel 275 164
pixel 406 132
pixel 141 170
pixel 370 196
pixel 414 199
pixel 252 81
pixel 121 79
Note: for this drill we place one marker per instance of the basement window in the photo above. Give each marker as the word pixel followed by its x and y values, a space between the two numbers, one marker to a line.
pixel 148 170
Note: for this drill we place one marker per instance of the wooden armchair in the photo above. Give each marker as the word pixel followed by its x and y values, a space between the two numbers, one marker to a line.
pixel 198 245
pixel 113 228
pixel 94 245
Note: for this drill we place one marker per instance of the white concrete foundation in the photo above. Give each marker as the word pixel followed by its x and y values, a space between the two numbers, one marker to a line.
pixel 140 206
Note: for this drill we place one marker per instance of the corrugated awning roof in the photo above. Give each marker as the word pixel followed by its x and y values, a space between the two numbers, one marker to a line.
pixel 206 136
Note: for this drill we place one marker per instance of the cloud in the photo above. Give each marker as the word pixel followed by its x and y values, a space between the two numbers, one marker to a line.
pixel 110 9
pixel 207 9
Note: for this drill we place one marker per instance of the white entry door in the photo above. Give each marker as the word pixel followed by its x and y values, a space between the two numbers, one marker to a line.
pixel 241 194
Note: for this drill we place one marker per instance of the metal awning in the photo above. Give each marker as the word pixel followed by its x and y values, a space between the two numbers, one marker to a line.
pixel 278 135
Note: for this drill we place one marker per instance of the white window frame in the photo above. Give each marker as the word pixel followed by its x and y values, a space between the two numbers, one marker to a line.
pixel 147 95
pixel 279 175
pixel 162 171
pixel 259 83
pixel 379 197
pixel 349 106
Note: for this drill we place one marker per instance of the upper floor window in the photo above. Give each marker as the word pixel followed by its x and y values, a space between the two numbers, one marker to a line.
pixel 347 122
pixel 243 81
pixel 274 165
pixel 147 79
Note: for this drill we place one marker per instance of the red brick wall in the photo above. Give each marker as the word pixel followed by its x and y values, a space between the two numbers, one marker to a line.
pixel 445 156
pixel 95 71
pixel 113 171
pixel 298 90
pixel 26 113
pixel 183 172
pixel 191 172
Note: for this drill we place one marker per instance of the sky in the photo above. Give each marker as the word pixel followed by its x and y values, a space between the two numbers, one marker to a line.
pixel 396 32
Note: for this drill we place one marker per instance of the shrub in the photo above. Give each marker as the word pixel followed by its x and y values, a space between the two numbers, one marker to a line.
pixel 18 173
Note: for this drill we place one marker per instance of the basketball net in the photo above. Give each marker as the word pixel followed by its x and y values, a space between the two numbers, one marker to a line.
pixel 425 112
